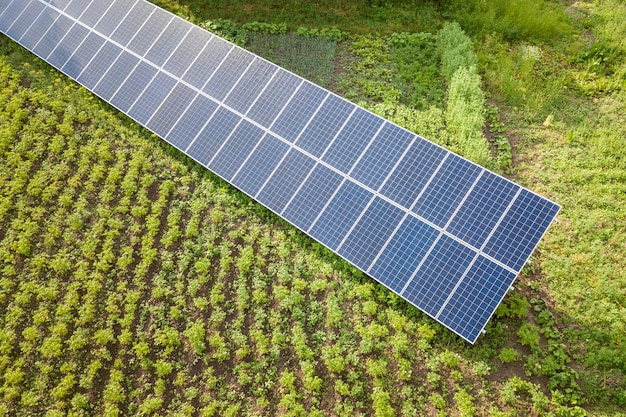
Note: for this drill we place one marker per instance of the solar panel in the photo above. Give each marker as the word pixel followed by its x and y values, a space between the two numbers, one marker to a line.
pixel 438 230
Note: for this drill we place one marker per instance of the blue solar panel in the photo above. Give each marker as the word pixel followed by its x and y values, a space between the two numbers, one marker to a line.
pixel 171 109
pixel 398 260
pixel 352 140
pixel 299 110
pixel 94 12
pixel 52 37
pixel 191 122
pixel 250 85
pixel 285 180
pixel 23 22
pixel 310 199
pixel 99 65
pixel 38 28
pixel 520 231
pixel 167 42
pixel 323 127
pixel 446 190
pixel 436 277
pixel 265 158
pixel 340 214
pixel 213 135
pixel 382 155
pixel 413 172
pixel 214 51
pixel 126 30
pixel 66 47
pixel 442 232
pixel 113 16
pixel 482 209
pixel 151 98
pixel 180 60
pixel 110 81
pixel 476 298
pixel 274 97
pixel 150 30
pixel 236 149
pixel 83 55
pixel 371 232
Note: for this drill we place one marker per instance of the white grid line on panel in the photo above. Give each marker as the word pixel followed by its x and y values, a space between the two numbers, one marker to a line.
pixel 419 266
pixel 31 23
pixel 453 291
pixel 343 125
pixel 369 144
pixel 225 142
pixel 249 155
pixel 60 40
pixel 5 10
pixel 118 57
pixel 406 214
pixel 306 125
pixel 19 15
pixel 376 192
pixel 238 79
pixel 46 32
pixel 99 49
pixel 458 207
pixel 262 90
pixel 355 223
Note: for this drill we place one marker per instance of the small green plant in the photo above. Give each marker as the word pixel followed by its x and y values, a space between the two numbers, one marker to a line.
pixel 508 355
pixel 528 335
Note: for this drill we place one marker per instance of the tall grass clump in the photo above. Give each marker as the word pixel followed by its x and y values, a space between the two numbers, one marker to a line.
pixel 456 49
pixel 513 20
pixel 465 116
pixel 465 109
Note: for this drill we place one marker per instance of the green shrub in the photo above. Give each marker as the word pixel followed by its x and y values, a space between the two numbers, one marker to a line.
pixel 465 116
pixel 508 355
pixel 456 49
pixel 528 335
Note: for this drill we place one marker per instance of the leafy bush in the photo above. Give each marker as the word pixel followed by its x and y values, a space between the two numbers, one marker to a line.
pixel 228 30
pixel 456 49
pixel 465 116
pixel 528 335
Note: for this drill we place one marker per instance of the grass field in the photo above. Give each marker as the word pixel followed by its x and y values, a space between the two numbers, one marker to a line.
pixel 134 282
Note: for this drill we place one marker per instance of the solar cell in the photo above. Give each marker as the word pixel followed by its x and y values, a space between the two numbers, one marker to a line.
pixel 171 109
pixel 442 268
pixel 402 254
pixel 99 65
pixel 371 232
pixel 476 298
pixel 309 200
pixel 82 55
pixel 114 16
pixel 110 81
pixel 215 132
pixel 235 150
pixel 39 26
pixel 191 122
pixel 355 136
pixel 445 234
pixel 271 101
pixel 167 42
pixel 283 182
pixel 325 125
pixel 151 98
pixel 343 209
pixel 383 154
pixel 260 164
pixel 25 19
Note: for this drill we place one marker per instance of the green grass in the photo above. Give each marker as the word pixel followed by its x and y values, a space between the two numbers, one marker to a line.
pixel 134 282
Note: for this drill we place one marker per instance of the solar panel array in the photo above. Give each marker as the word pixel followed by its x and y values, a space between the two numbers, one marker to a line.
pixel 443 233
